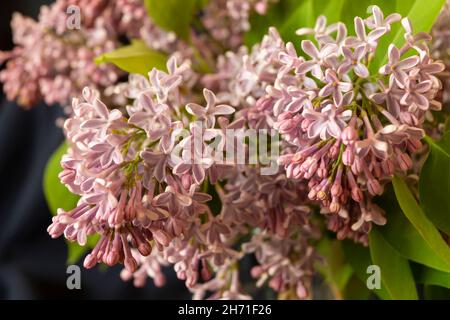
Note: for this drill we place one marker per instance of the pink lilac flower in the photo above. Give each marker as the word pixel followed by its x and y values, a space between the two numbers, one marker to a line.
pixel 354 61
pixel 326 123
pixel 362 38
pixel 396 67
pixel 210 111
pixel 377 19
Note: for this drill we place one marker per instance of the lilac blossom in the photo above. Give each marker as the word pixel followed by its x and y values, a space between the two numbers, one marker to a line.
pixel 53 64
pixel 397 67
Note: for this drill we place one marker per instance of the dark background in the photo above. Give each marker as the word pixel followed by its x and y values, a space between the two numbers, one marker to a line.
pixel 32 265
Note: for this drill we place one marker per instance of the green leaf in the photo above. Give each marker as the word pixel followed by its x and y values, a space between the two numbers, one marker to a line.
pixel 302 16
pixel 431 276
pixel 56 194
pixel 418 219
pixel 434 183
pixel 135 58
pixel 447 124
pixel 332 9
pixel 278 14
pixel 436 293
pixel 402 235
pixel 74 252
pixel 359 259
pixel 396 274
pixel 289 15
pixel 422 14
pixel 336 270
pixel 352 9
pixel 173 15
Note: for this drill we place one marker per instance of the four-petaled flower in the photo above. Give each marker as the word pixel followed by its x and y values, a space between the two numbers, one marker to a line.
pixel 415 94
pixel 378 20
pixel 319 57
pixel 398 68
pixel 353 61
pixel 375 144
pixel 334 87
pixel 370 40
pixel 211 110
pixel 327 123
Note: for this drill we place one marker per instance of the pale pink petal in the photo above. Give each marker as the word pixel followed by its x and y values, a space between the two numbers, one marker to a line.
pixel 359 28
pixel 393 54
pixel 223 109
pixel 195 109
pixel 408 62
pixel 361 70
pixel 310 49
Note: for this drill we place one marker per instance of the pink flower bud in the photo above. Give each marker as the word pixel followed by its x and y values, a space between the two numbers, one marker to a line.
pixel 89 261
pixel 145 248
pixel 139 282
pixel 276 283
pixel 322 172
pixel 130 264
pixel 312 194
pixel 162 237
pixel 388 167
pixel 374 187
pixel 335 207
pixel 336 190
pixel 159 280
pixel 357 194
pixel 414 145
pixel 349 135
pixel 404 161
pixel 305 124
pixel 112 258
pixel 321 195
pixel 348 156
pixel 301 291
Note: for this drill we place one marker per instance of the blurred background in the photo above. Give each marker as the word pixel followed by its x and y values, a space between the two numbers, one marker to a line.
pixel 32 265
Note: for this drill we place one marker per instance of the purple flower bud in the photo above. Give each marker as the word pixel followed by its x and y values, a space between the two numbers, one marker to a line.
pixel 374 187
pixel 349 135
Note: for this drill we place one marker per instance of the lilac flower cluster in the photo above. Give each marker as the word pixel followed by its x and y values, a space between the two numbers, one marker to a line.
pixel 348 129
pixel 157 194
pixel 139 198
pixel 53 62
pixel 118 163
